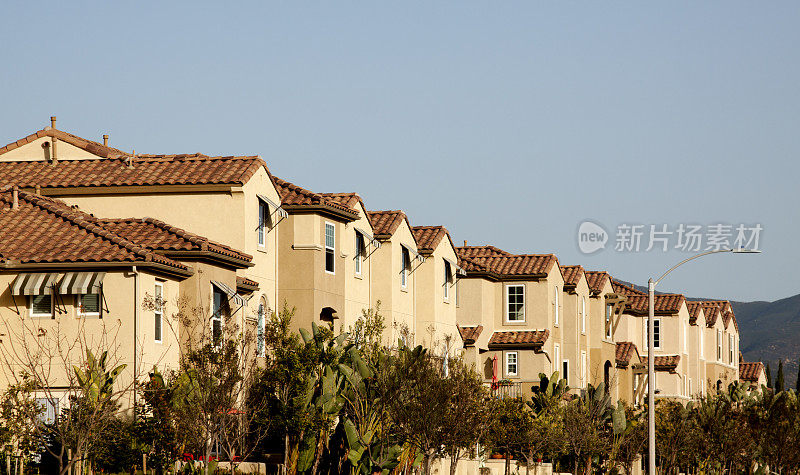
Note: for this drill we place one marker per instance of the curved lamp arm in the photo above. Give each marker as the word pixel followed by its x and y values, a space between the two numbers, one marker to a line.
pixel 737 251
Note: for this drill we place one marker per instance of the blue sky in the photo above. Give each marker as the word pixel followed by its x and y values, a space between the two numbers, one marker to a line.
pixel 508 122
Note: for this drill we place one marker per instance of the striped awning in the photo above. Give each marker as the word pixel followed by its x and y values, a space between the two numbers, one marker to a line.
pixel 79 283
pixel 33 284
pixel 281 212
pixel 232 295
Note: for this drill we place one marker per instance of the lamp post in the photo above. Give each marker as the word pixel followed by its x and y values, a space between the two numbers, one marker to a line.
pixel 651 389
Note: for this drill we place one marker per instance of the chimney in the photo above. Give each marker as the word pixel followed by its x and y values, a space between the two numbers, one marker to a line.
pixel 465 243
pixel 54 151
pixel 130 158
pixel 105 140
pixel 15 197
pixel 53 121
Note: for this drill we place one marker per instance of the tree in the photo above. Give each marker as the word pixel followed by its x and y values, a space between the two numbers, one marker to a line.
pixel 509 428
pixel 779 383
pixel 797 383
pixel 587 421
pixel 630 437
pixel 769 377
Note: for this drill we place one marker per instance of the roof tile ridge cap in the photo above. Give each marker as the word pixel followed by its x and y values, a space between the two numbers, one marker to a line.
pixel 77 218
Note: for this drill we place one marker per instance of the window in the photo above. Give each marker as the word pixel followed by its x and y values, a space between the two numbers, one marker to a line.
pixel 260 330
pixel 89 304
pixel 448 278
pixel 41 305
pixel 359 252
pixel 330 248
pixel 583 314
pixel 405 264
pixel 557 357
pixel 515 301
pixel 49 409
pixel 511 363
pixel 730 349
pixel 609 316
pixel 583 368
pixel 656 333
pixel 555 306
pixel 159 312
pixel 685 335
pixel 219 303
pixel 565 370
pixel 719 345
pixel 689 392
pixel 702 341
pixel 263 220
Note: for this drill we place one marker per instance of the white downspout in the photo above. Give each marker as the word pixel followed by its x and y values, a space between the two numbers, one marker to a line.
pixel 135 324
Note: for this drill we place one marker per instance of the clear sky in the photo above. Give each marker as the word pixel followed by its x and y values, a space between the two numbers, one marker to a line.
pixel 508 122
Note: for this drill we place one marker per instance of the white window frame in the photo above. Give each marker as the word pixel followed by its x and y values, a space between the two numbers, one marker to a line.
pixel 508 303
pixel 40 315
pixel 159 314
pixel 79 306
pixel 218 316
pixel 730 348
pixel 557 358
pixel 403 267
pixel 719 345
pixel 583 368
pixel 446 294
pixel 508 363
pixel 583 315
pixel 657 333
pixel 359 259
pixel 556 316
pixel 332 249
pixel 263 219
pixel 609 320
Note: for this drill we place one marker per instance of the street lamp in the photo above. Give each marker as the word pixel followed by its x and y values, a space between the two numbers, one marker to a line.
pixel 651 390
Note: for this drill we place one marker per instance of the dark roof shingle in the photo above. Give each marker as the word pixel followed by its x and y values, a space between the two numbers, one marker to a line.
pixel 625 352
pixel 385 223
pixel 469 334
pixel 750 371
pixel 522 338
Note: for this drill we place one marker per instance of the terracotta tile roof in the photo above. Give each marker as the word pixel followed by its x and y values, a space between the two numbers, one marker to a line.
pixel 750 371
pixel 348 200
pixel 92 147
pixel 244 283
pixel 726 310
pixel 522 338
pixel 163 238
pixel 146 170
pixel 480 251
pixel 469 334
pixel 429 237
pixel 572 275
pixel 385 223
pixel 694 311
pixel 624 289
pixel 597 280
pixel 665 363
pixel 625 352
pixel 47 231
pixel 515 265
pixel 711 311
pixel 297 197
pixel 662 304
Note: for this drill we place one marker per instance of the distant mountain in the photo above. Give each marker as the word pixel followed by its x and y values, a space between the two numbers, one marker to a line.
pixel 770 331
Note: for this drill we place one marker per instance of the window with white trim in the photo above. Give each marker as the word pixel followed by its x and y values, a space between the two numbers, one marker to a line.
pixel 719 345
pixel 261 329
pixel 609 322
pixel 565 370
pixel 448 278
pixel 359 252
pixel 730 349
pixel 88 305
pixel 512 362
pixel 557 357
pixel 405 263
pixel 219 302
pixel 41 305
pixel 158 312
pixel 330 248
pixel 515 303
pixel 583 368
pixel 656 333
pixel 555 306
pixel 263 222
pixel 583 315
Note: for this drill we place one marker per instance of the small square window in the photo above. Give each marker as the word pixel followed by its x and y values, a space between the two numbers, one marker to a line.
pixel 41 305
pixel 89 304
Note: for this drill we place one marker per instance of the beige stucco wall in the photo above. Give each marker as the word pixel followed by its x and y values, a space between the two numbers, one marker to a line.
pixel 574 335
pixel 435 314
pixel 398 304
pixel 34 151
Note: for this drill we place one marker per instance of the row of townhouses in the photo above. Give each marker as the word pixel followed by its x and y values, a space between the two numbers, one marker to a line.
pixel 88 232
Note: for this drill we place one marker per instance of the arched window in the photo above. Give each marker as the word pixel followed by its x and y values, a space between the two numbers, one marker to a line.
pixel 719 385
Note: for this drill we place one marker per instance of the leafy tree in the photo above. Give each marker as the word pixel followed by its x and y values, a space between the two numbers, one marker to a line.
pixel 797 383
pixel 509 428
pixel 587 420
pixel 779 383
pixel 630 437
pixel 674 430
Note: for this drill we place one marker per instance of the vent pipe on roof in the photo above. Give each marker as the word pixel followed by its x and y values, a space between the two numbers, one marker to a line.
pixel 130 159
pixel 465 243
pixel 15 197
pixel 54 151
pixel 105 140
pixel 53 121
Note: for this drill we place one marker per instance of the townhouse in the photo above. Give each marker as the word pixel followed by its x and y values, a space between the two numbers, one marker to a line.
pixel 721 339
pixel 72 277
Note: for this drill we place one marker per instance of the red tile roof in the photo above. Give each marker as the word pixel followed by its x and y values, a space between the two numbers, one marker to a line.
pixel 145 170
pixel 163 238
pixel 385 223
pixel 663 304
pixel 665 363
pixel 46 231
pixel 597 280
pixel 538 265
pixel 624 289
pixel 625 352
pixel 711 311
pixel 522 338
pixel 246 284
pixel 429 237
pixel 469 334
pixel 92 147
pixel 694 311
pixel 572 275
pixel 294 197
pixel 750 371
pixel 480 251
pixel 348 200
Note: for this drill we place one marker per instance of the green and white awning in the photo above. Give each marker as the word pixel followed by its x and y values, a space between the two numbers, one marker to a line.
pixel 81 283
pixel 33 284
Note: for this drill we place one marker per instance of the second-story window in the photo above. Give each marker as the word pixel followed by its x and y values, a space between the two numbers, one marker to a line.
pixel 609 322
pixel 555 306
pixel 330 248
pixel 219 303
pixel 583 314
pixel 565 370
pixel 719 345
pixel 448 279
pixel 512 359
pixel 158 313
pixel 515 303
pixel 359 252
pixel 730 349
pixel 405 263
pixel 656 333
pixel 263 220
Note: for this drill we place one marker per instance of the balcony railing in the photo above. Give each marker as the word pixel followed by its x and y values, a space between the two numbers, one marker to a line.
pixel 506 389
